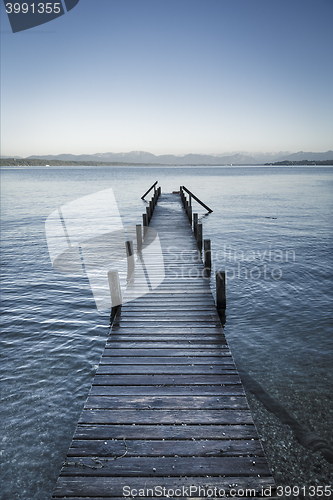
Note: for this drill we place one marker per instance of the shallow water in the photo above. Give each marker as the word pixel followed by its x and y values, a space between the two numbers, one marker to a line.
pixel 271 230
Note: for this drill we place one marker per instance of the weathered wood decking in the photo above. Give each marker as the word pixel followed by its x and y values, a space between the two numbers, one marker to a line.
pixel 166 408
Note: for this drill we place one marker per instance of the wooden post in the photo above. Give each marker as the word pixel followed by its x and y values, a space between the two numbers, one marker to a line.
pixel 189 214
pixel 130 259
pixel 199 237
pixel 207 257
pixel 195 224
pixel 182 195
pixel 115 292
pixel 148 214
pixel 151 208
pixel 159 190
pixel 220 292
pixel 145 224
pixel 138 238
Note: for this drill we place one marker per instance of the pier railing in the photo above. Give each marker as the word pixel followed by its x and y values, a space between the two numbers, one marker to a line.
pixel 152 187
pixel 191 195
pixel 150 207
pixel 196 226
pixel 205 246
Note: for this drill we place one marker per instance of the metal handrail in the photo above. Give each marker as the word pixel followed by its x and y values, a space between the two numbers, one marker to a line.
pixel 197 199
pixel 142 197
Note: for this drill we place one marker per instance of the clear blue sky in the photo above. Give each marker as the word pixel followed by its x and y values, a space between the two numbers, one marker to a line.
pixel 170 76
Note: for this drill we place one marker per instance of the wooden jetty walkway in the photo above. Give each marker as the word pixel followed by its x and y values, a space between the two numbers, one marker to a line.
pixel 167 408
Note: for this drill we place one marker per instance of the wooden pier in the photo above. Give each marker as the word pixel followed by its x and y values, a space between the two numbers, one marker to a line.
pixel 167 415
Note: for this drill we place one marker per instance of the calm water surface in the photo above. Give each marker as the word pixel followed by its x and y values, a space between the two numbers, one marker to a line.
pixel 271 230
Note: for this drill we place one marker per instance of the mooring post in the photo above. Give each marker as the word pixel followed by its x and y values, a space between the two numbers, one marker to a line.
pixel 115 293
pixel 159 190
pixel 151 208
pixel 207 257
pixel 195 224
pixel 148 214
pixel 145 224
pixel 138 238
pixel 130 259
pixel 220 292
pixel 199 236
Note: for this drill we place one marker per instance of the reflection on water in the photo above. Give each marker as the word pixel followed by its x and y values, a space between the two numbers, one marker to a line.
pixel 270 231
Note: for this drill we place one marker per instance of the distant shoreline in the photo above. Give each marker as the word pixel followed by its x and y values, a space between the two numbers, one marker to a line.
pixel 299 163
pixel 31 162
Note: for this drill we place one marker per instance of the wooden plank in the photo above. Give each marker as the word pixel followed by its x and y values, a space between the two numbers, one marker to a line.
pixel 167 360
pixel 161 322
pixel 166 369
pixel 191 314
pixel 165 466
pixel 182 417
pixel 172 291
pixel 167 402
pixel 157 301
pixel 167 390
pixel 182 344
pixel 149 379
pixel 162 448
pixel 169 432
pixel 151 329
pixel 200 329
pixel 159 306
pixel 109 351
pixel 168 336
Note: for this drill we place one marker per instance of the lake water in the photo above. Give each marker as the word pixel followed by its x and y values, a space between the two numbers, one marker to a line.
pixel 271 230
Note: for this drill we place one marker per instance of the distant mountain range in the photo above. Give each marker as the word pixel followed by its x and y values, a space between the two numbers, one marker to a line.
pixel 143 157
